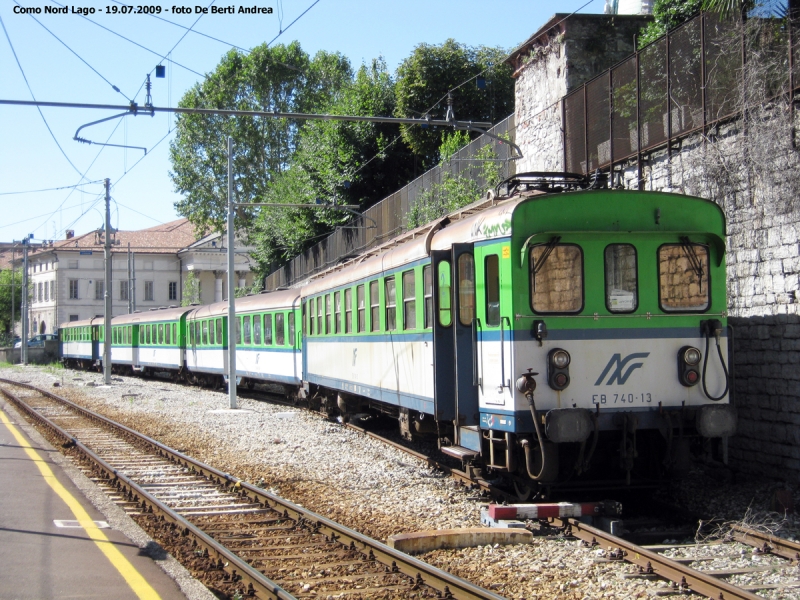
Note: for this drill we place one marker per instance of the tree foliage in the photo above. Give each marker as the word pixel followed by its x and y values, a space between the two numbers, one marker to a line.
pixel 336 162
pixel 424 78
pixel 454 191
pixel 280 78
pixel 5 298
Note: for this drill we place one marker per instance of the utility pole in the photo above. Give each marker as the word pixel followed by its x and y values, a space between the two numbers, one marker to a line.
pixel 132 292
pixel 130 306
pixel 231 287
pixel 107 290
pixel 24 345
pixel 13 292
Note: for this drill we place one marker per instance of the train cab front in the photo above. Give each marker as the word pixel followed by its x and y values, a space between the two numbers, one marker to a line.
pixel 620 348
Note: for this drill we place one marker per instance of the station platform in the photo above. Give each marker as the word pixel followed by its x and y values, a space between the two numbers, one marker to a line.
pixel 53 542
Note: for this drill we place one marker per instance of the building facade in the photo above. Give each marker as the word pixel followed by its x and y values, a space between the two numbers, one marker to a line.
pixel 149 270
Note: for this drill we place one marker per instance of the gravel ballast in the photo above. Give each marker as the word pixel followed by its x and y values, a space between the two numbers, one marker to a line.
pixel 367 485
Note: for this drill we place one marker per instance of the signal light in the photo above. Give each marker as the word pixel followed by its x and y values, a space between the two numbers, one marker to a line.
pixel 558 369
pixel 688 359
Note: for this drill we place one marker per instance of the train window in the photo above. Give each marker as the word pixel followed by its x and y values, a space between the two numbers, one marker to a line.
pixel 374 307
pixel 247 337
pixel 191 333
pixel 205 333
pixel 220 341
pixel 409 301
pixel 491 268
pixel 443 279
pixel 622 293
pixel 211 332
pixel 348 310
pixel 160 333
pixel 310 309
pixel 391 304
pixel 320 330
pixel 427 284
pixel 167 336
pixel 337 312
pixel 556 278
pixel 238 331
pixel 328 329
pixel 128 334
pixel 279 331
pixel 466 289
pixel 361 325
pixel 291 329
pixel 683 277
pixel 257 330
pixel 150 335
pixel 174 333
pixel 267 330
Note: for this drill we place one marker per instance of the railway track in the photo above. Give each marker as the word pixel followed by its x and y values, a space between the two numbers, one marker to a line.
pixel 687 565
pixel 240 539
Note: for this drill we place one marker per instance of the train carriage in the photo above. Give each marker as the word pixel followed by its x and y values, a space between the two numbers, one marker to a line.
pixel 79 342
pixel 150 341
pixel 367 332
pixel 268 348
pixel 540 335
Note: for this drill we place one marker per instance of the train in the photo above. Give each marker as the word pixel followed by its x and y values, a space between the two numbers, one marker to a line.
pixel 561 334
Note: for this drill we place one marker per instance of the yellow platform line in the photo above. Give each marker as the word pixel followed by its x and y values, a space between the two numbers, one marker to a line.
pixel 132 577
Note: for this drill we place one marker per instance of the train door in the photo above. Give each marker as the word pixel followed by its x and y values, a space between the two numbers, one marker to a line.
pixel 466 327
pixel 443 341
pixel 134 344
pixel 494 339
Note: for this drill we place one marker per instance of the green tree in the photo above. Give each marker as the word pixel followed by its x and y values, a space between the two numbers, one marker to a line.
pixel 666 15
pixel 455 191
pixel 5 298
pixel 425 77
pixel 279 78
pixel 335 162
pixel 191 290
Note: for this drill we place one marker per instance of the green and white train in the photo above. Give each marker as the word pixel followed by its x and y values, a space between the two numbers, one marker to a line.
pixel 553 336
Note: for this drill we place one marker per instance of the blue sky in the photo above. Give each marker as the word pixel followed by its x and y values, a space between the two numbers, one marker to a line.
pixel 143 196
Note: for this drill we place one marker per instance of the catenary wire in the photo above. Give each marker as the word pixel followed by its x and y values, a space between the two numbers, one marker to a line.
pixel 135 43
pixel 21 70
pixel 292 23
pixel 53 189
pixel 114 87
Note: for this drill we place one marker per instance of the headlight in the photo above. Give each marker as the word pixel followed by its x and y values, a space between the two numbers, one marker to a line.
pixel 691 356
pixel 560 359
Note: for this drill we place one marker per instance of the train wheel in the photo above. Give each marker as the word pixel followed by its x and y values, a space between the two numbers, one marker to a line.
pixel 524 490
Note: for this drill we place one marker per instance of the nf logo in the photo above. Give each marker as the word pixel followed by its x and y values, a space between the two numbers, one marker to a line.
pixel 618 376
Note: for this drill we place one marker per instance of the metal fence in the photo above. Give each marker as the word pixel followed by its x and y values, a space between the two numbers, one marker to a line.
pixel 389 217
pixel 682 83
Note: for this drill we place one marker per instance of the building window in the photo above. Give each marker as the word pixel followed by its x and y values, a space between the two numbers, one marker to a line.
pixel 73 318
pixel 41 291
pixel 73 289
pixel 73 264
pixel 47 291
pixel 123 290
pixel 148 291
pixel 98 289
pixel 52 290
pixel 173 290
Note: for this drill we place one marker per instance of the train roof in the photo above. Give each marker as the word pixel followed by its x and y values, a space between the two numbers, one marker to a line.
pixel 257 302
pixel 82 323
pixel 153 316
pixel 417 244
pixel 479 222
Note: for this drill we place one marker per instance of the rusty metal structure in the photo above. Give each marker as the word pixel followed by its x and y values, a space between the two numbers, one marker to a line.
pixel 683 83
pixel 389 218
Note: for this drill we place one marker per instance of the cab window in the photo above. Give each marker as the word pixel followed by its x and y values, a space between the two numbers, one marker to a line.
pixel 492 273
pixel 683 277
pixel 622 293
pixel 556 278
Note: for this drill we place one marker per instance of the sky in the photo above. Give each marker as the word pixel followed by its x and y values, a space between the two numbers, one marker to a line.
pixel 79 56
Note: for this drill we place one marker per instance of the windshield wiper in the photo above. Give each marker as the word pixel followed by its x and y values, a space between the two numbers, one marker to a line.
pixel 546 254
pixel 697 265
